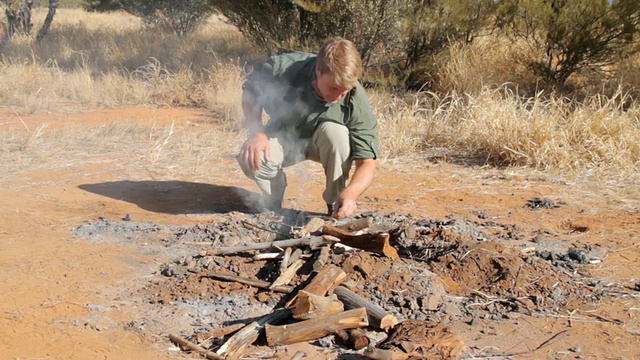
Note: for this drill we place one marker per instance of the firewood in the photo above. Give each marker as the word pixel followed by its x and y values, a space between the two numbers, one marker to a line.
pixel 380 354
pixel 184 343
pixel 342 336
pixel 236 344
pixel 297 254
pixel 251 282
pixel 325 280
pixel 315 328
pixel 268 256
pixel 286 277
pixel 219 332
pixel 358 339
pixel 378 243
pixel 310 306
pixel 314 224
pixel 312 241
pixel 298 355
pixel 378 317
pixel 285 260
pixel 356 225
pixel 322 258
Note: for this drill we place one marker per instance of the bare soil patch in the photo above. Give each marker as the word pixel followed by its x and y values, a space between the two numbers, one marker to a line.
pixel 104 263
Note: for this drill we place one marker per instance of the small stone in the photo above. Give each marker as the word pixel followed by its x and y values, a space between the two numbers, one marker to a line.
pixel 575 349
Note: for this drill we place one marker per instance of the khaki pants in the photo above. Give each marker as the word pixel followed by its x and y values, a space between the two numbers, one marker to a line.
pixel 329 146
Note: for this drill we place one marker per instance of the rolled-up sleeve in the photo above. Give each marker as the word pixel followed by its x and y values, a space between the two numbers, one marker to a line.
pixel 363 126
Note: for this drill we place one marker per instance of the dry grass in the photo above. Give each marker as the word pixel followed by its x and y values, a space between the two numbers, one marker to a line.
pixel 157 151
pixel 487 62
pixel 109 60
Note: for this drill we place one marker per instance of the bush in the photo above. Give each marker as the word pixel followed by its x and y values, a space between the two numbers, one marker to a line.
pixel 181 17
pixel 571 35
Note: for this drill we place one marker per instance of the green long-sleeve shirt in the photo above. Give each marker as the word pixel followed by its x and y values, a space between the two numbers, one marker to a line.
pixel 282 86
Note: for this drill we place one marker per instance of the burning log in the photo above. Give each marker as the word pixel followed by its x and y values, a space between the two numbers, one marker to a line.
pixel 315 328
pixel 378 317
pixel 236 344
pixel 378 243
pixel 310 306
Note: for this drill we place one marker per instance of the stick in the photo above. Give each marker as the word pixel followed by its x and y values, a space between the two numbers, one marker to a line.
pixel 268 256
pixel 219 332
pixel 322 258
pixel 298 355
pixel 285 260
pixel 380 354
pixel 184 343
pixel 286 277
pixel 251 282
pixel 313 241
pixel 378 317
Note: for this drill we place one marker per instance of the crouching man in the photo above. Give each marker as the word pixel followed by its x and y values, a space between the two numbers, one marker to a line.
pixel 317 111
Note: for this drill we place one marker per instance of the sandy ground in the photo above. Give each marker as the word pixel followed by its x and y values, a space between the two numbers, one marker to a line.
pixel 53 282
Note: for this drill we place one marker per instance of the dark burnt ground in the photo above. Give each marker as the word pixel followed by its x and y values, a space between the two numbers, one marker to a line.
pixel 451 270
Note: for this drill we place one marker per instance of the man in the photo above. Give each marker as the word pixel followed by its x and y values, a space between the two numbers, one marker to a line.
pixel 317 111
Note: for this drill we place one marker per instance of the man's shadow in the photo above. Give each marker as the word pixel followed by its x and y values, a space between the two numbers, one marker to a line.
pixel 179 197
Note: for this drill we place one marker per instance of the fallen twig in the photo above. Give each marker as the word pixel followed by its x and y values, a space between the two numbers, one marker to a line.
pixel 182 342
pixel 251 282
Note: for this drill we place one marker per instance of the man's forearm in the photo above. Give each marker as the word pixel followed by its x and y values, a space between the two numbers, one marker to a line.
pixel 252 114
pixel 361 179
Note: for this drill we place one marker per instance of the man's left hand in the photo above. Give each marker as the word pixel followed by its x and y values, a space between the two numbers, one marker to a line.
pixel 343 208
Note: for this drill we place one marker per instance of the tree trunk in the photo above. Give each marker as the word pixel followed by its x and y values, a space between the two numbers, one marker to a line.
pixel 53 6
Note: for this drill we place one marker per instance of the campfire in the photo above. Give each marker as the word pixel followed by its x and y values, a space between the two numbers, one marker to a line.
pixel 319 304
pixel 382 286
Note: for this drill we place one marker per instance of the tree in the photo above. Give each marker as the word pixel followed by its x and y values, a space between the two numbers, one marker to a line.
pixel 18 14
pixel 572 34
pixel 182 16
pixel 431 25
pixel 303 24
pixel 53 5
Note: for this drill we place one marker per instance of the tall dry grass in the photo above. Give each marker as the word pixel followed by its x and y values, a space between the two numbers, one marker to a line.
pixel 110 60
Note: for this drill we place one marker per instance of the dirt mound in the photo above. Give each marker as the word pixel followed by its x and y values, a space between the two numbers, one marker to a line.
pixel 491 271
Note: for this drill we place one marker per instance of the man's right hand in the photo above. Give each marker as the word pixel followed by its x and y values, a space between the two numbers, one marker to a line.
pixel 252 150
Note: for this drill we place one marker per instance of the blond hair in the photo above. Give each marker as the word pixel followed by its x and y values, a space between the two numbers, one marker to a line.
pixel 341 58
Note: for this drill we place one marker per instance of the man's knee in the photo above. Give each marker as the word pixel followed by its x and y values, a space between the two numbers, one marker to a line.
pixel 334 137
pixel 266 171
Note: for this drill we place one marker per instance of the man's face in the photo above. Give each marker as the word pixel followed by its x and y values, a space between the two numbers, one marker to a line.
pixel 327 87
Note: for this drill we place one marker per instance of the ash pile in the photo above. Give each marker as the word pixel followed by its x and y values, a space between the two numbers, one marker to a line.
pixel 381 286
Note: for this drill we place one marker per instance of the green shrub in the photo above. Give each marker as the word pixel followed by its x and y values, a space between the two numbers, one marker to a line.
pixel 571 35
